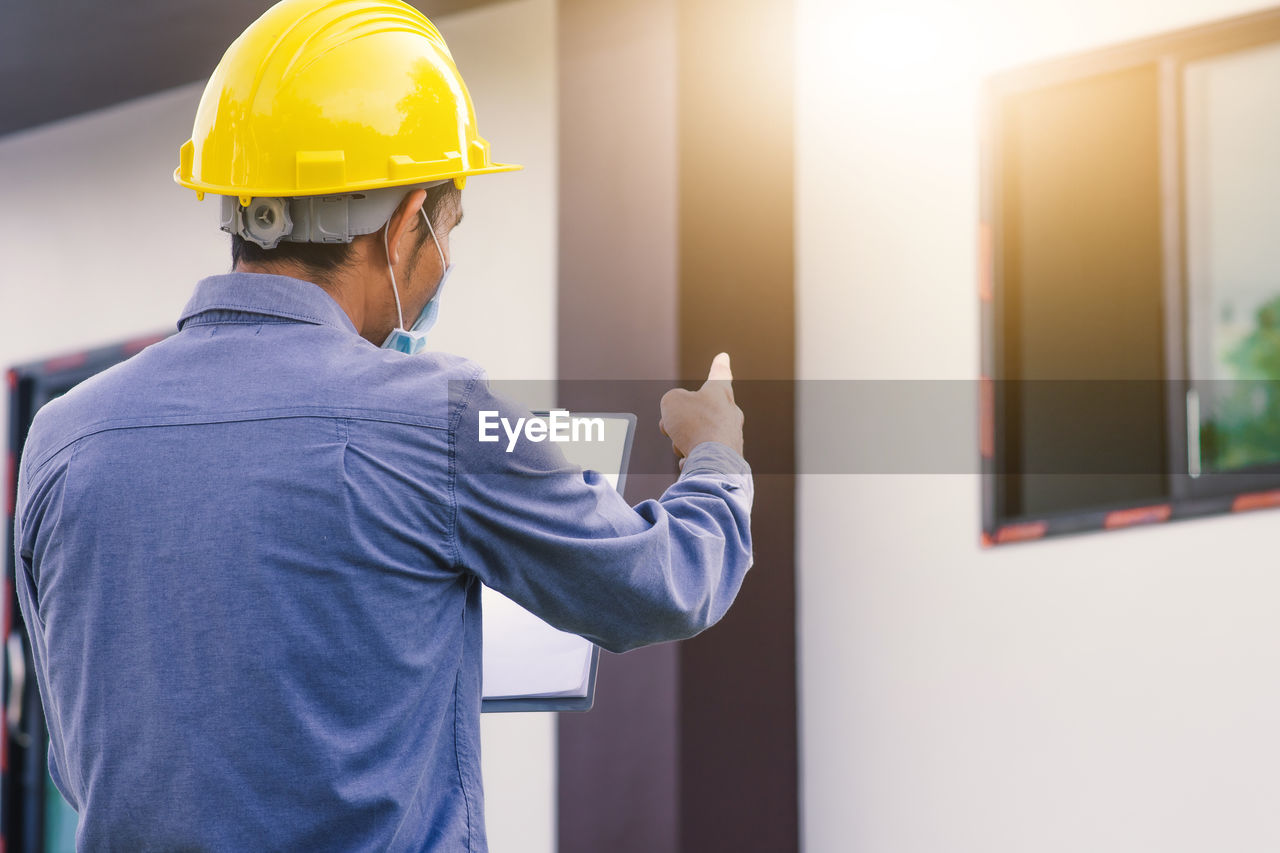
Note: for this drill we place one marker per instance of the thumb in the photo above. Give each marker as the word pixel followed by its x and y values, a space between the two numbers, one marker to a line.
pixel 720 369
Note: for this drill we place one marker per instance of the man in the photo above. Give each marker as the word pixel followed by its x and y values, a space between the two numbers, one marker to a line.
pixel 250 557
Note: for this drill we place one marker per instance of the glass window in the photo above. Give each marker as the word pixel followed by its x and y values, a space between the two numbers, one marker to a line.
pixel 1231 135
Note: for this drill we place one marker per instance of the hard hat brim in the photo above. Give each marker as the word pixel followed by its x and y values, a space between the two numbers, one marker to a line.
pixel 294 192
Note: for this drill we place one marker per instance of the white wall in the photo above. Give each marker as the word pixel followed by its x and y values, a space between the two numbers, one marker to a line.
pixel 97 245
pixel 1107 692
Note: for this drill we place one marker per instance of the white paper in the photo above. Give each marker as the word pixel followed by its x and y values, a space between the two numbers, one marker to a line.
pixel 524 656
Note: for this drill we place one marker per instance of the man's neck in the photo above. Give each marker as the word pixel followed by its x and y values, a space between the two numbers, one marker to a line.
pixel 337 286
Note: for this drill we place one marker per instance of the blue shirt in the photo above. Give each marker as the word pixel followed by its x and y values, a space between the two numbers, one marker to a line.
pixel 250 561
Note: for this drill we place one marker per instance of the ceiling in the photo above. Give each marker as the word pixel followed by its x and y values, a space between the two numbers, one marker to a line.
pixel 59 58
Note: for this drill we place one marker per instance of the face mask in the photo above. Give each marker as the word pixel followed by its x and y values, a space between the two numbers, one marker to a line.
pixel 414 339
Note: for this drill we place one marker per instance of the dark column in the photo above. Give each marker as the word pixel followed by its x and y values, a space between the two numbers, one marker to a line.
pixel 738 746
pixel 617 767
pixel 676 242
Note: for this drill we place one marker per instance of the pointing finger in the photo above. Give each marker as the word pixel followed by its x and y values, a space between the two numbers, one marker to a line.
pixel 721 374
pixel 720 368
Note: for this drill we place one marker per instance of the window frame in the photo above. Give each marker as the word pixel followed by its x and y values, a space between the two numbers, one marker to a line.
pixel 1186 496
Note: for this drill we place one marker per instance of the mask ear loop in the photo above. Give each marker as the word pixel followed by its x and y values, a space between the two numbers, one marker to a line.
pixel 386 247
pixel 395 290
pixel 432 232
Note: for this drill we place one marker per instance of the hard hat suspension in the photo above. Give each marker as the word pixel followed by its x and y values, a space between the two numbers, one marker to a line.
pixel 339 218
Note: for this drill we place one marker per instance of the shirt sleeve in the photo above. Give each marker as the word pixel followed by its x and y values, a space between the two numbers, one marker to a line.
pixel 564 544
pixel 27 541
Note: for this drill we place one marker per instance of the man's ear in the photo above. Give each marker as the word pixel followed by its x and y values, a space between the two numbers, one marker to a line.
pixel 401 221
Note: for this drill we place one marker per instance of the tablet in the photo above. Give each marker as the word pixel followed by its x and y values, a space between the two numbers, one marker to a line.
pixel 529 665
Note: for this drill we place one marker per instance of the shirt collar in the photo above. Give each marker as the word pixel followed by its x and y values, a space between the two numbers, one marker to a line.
pixel 272 295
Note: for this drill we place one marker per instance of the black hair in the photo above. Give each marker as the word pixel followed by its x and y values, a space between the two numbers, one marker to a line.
pixel 321 259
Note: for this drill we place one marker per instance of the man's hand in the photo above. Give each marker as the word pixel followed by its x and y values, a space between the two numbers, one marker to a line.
pixel 708 414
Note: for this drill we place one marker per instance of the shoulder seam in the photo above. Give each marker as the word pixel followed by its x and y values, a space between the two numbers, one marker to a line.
pixel 233 417
pixel 452 435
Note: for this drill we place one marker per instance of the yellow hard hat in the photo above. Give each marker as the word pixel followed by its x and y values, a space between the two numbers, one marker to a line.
pixel 322 97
